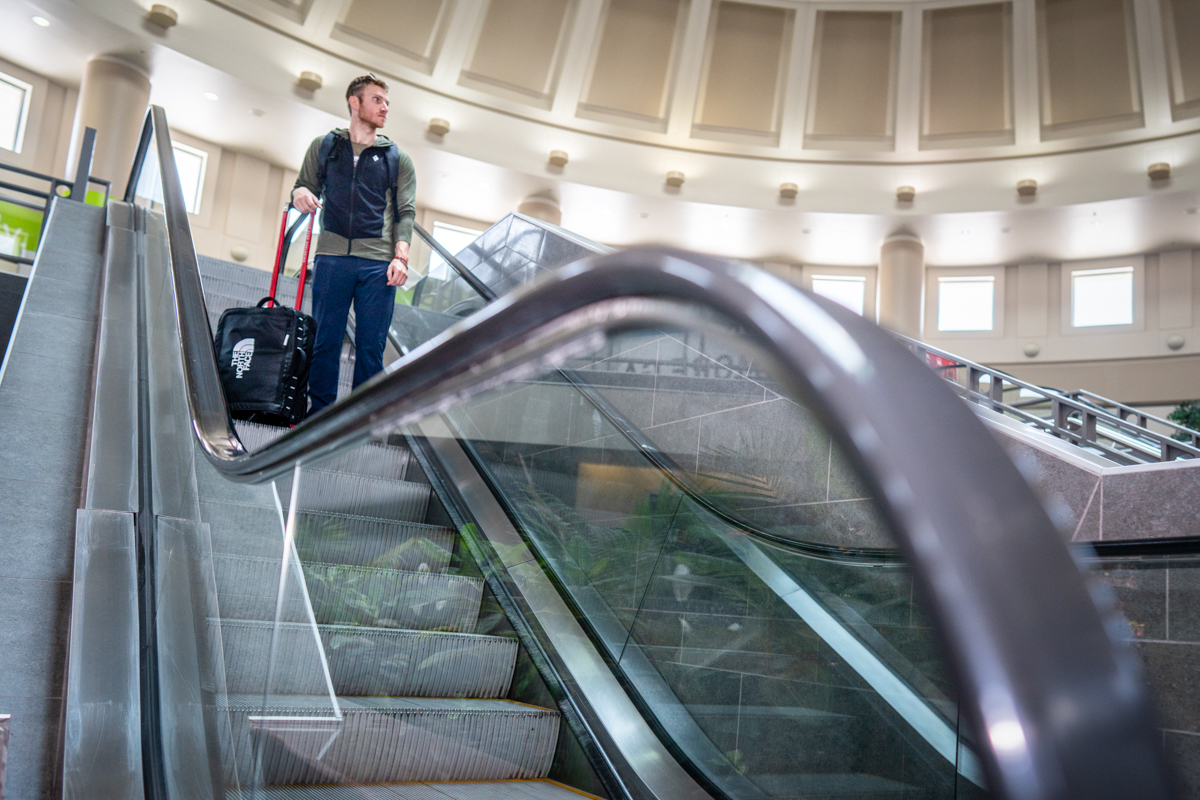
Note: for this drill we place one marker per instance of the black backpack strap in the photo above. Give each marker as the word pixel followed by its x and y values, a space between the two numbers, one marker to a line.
pixel 323 155
pixel 392 156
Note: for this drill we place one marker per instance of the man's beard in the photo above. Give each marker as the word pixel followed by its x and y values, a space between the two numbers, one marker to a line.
pixel 370 123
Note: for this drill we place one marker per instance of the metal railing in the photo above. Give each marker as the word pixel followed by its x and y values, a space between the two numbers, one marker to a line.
pixel 1114 430
pixel 38 198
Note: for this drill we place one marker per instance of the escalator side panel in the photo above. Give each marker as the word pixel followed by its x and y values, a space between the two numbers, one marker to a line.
pixel 44 391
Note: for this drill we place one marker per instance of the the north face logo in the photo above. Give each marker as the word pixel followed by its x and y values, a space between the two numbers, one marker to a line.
pixel 243 352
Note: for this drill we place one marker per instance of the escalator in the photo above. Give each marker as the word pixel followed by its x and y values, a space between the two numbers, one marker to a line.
pixel 642 529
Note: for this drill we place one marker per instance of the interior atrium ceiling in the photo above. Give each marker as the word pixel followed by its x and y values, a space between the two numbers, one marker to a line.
pixel 848 101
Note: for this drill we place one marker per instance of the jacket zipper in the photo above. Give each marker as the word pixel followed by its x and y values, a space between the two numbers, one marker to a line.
pixel 353 186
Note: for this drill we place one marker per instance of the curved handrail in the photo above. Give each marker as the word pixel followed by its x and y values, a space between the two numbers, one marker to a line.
pixel 662 460
pixel 1055 699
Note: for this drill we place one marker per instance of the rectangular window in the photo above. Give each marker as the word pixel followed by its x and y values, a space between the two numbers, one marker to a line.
pixel 847 290
pixel 1102 297
pixel 966 303
pixel 454 238
pixel 14 111
pixel 191 163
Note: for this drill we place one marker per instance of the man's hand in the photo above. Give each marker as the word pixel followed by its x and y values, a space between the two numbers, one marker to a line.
pixel 305 201
pixel 397 272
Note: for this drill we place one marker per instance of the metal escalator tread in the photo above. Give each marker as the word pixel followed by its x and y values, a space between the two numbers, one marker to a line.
pixel 323 490
pixel 369 661
pixel 246 588
pixel 465 790
pixel 375 460
pixel 330 538
pixel 419 691
pixel 398 739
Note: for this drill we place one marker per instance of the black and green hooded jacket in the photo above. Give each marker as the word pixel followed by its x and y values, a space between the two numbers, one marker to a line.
pixel 363 213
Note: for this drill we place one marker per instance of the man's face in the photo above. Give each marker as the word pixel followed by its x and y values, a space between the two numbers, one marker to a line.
pixel 371 106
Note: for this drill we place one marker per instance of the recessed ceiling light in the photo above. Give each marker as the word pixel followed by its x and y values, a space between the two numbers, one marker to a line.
pixel 42 21
pixel 211 96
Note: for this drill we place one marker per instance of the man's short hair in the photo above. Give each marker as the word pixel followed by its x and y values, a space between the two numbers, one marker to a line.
pixel 362 81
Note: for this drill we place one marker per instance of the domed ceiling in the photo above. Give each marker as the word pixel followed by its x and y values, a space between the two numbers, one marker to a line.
pixel 847 101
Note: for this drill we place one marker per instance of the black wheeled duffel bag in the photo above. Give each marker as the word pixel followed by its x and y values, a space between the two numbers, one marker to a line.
pixel 264 354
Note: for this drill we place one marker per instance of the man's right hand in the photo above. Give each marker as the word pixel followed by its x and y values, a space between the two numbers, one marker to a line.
pixel 305 201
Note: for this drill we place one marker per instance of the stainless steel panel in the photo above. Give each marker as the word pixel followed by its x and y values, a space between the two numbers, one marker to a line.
pixel 112 470
pixel 189 680
pixel 102 751
pixel 5 720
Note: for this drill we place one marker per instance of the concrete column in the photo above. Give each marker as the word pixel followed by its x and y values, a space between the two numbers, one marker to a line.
pixel 543 206
pixel 112 99
pixel 902 284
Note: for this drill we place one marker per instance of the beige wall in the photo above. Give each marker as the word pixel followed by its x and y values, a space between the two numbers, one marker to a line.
pixel 242 204
pixel 48 131
pixel 1133 363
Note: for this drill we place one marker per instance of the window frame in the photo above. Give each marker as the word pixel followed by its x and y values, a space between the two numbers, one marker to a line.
pixel 870 287
pixel 933 300
pixel 204 177
pixel 26 108
pixel 1068 268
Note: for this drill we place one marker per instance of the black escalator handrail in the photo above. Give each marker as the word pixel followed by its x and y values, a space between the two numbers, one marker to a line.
pixel 481 288
pixel 206 400
pixel 1055 699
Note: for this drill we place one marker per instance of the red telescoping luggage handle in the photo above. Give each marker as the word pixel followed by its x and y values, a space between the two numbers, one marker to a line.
pixel 279 256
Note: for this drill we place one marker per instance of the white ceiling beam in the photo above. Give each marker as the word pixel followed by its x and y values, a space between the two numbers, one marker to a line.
pixel 799 79
pixel 1152 63
pixel 908 83
pixel 578 57
pixel 456 47
pixel 691 69
pixel 1026 113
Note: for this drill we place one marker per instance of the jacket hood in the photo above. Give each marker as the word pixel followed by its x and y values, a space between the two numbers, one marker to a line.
pixel 380 139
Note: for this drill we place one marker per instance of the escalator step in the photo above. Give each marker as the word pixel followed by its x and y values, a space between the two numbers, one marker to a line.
pixel 367 661
pixel 330 538
pixel 373 459
pixel 387 739
pixel 331 492
pixel 349 595
pixel 466 790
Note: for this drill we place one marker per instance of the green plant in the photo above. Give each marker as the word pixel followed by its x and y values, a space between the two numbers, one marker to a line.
pixel 1186 414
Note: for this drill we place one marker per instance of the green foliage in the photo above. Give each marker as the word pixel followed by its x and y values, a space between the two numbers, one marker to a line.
pixel 1188 415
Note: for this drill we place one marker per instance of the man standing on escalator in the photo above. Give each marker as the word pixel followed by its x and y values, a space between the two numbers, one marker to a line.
pixel 365 187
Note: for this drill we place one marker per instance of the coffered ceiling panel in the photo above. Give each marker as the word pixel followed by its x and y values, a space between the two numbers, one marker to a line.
pixel 852 100
pixel 632 67
pixel 518 47
pixel 412 29
pixel 1088 67
pixel 744 69
pixel 294 10
pixel 967 88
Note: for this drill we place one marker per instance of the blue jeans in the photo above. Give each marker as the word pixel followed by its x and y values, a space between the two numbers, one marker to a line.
pixel 338 281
